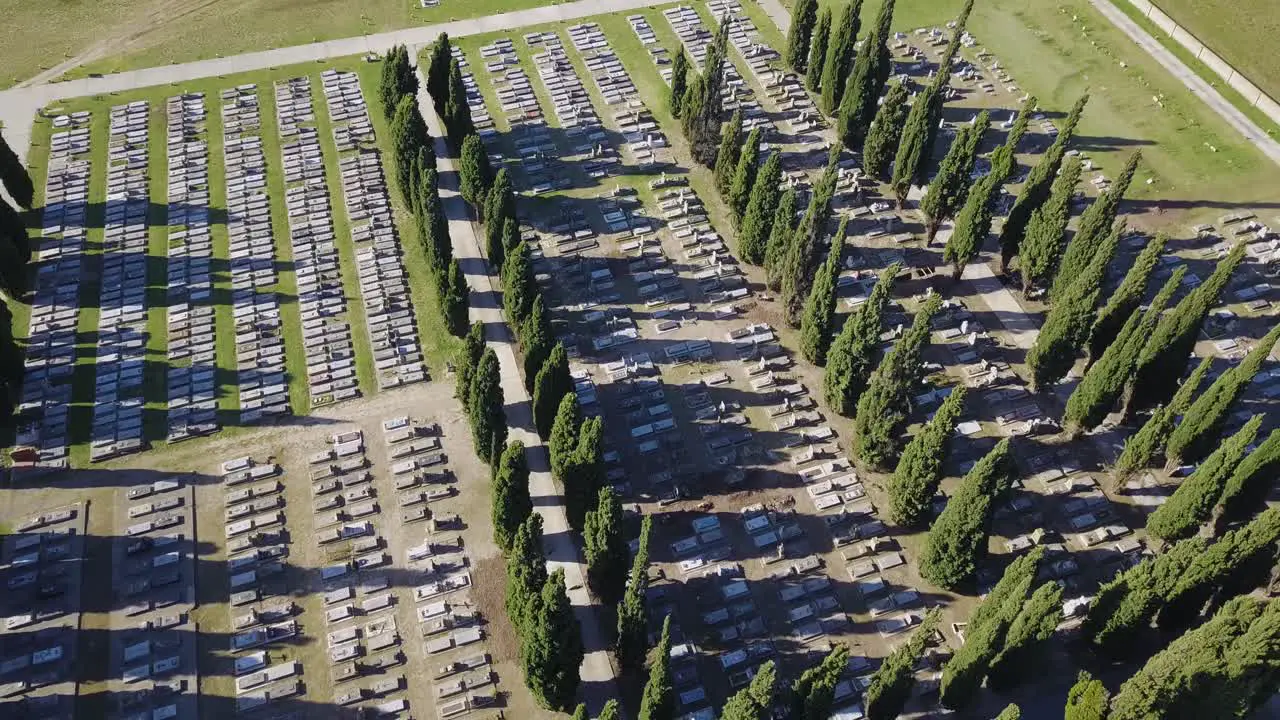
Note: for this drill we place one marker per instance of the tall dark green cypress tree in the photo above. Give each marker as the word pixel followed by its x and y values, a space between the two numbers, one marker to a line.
pixel 1095 223
pixel 1143 446
pixel 1246 489
pixel 679 83
pixel 782 229
pixel 488 416
pixel 438 71
pixel 1035 190
pixel 1193 502
pixel 1041 246
pixel 892 683
pixel 803 16
pixel 856 349
pixel 1067 325
pixel 605 548
pixel 1126 298
pixel 820 308
pixel 957 541
pixel 1197 435
pixel 1104 381
pixel 949 187
pixel 870 71
pixel 886 132
pixel 552 650
pixel 550 386
pixel 526 572
pixel 1165 356
pixel 728 154
pixel 474 174
pixel 512 504
pixel 657 701
pixel 919 473
pixel 744 176
pixel 632 615
pixel 840 52
pixel 818 51
pixel 883 407
pixel 753 236
pixel 455 300
pixel 467 361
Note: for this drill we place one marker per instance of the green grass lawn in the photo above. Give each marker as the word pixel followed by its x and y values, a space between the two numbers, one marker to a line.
pixel 1242 32
pixel 1198 165
pixel 131 34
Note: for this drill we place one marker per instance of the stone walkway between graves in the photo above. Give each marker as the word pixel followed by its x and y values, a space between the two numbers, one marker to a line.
pixel 1196 84
pixel 598 677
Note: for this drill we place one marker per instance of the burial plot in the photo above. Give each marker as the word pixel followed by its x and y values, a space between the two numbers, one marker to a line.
pixel 384 285
pixel 192 385
pixel 255 305
pixel 41 418
pixel 122 318
pixel 326 334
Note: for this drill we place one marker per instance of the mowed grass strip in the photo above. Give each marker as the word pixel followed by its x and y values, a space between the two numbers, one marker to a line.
pixel 1242 32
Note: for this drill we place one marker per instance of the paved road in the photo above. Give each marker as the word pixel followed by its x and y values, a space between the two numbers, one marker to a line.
pixel 1197 85
pixel 18 106
pixel 597 671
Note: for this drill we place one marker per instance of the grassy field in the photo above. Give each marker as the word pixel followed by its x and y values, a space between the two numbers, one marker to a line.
pixel 1242 32
pixel 126 34
pixel 438 345
pixel 1196 166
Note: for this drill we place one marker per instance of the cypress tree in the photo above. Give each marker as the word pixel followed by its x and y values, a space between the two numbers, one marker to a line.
pixel 728 154
pixel 1237 563
pixel 552 650
pixel 1003 160
pixel 511 502
pixel 883 407
pixel 409 133
pixel 1165 355
pixel 468 359
pixel 753 701
pixel 1126 298
pixel 1149 441
pixel 919 471
pixel 870 71
pixel 703 104
pixel 526 572
pixel 438 71
pixel 963 673
pixel 753 236
pixel 799 35
pixel 744 177
pixel 433 226
pixel 1193 502
pixel 537 340
pixel 840 52
pixel 855 350
pixel 1179 680
pixel 1087 699
pixel 1122 608
pixel 605 548
pixel 1067 325
pixel 473 171
pixel 1009 591
pixel 550 386
pixel 632 615
pixel 952 180
pixel 1093 227
pixel 488 417
pixel 1104 381
pixel 15 177
pixel 518 285
pixel 499 200
pixel 818 51
pixel 582 476
pixel 957 541
pixel 971 226
pixel 814 691
pixel 892 683
pixel 457 111
pixel 1041 246
pixel 455 300
pixel 1248 484
pixel 611 710
pixel 1197 433
pixel 782 229
pixel 886 132
pixel 563 442
pixel 1022 652
pixel 1035 190
pixel 657 701
pixel 388 90
pixel 679 82
pixel 798 264
pixel 495 245
pixel 820 308
pixel 938 91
